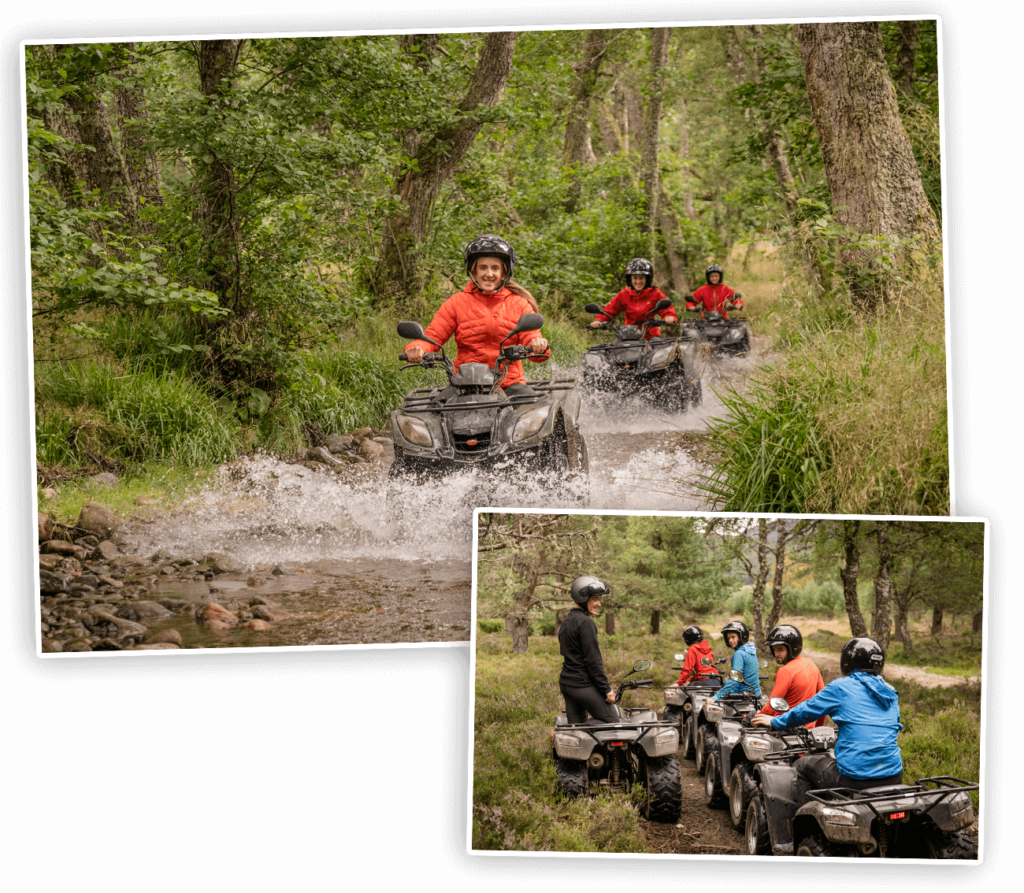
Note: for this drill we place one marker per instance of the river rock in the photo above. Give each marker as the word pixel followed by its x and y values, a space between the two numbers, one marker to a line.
pixel 110 581
pixel 211 613
pixel 256 624
pixel 371 450
pixel 219 563
pixel 52 646
pixel 178 605
pixel 45 527
pixel 107 644
pixel 97 518
pixel 49 494
pixel 77 645
pixel 101 481
pixel 48 560
pixel 169 636
pixel 144 611
pixel 388 448
pixel 339 443
pixel 322 454
pixel 360 433
pixel 255 581
pixel 125 628
pixel 51 583
pixel 105 551
pixel 62 547
pixel 128 561
pixel 156 646
pixel 88 542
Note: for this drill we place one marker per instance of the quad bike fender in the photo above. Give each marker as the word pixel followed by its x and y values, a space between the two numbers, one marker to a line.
pixel 660 742
pixel 846 823
pixel 573 744
pixel 778 782
pixel 728 739
pixel 954 813
pixel 675 696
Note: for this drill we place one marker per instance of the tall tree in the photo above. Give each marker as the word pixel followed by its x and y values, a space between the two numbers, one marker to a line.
pixel 881 624
pixel 578 148
pixel 435 162
pixel 848 577
pixel 778 592
pixel 906 56
pixel 652 122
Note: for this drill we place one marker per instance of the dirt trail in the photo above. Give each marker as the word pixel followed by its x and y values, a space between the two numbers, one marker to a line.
pixel 896 671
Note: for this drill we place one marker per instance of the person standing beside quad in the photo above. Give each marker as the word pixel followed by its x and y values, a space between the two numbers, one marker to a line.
pixel 866 710
pixel 484 312
pixel 744 658
pixel 797 679
pixel 700 659
pixel 583 681
pixel 715 296
pixel 637 300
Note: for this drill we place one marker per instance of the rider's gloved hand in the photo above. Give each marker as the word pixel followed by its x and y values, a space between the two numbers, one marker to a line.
pixel 596 324
pixel 670 319
pixel 610 697
pixel 690 305
pixel 414 354
pixel 538 345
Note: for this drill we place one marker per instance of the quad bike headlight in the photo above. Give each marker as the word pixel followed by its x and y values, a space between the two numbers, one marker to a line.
pixel 592 360
pixel 415 430
pixel 567 744
pixel 755 747
pixel 663 355
pixel 733 335
pixel 713 712
pixel 530 422
pixel 833 816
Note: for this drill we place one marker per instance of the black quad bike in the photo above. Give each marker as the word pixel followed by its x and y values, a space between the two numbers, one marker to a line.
pixel 724 335
pixel 473 423
pixel 662 369
pixel 639 748
pixel 683 705
pixel 731 708
pixel 926 820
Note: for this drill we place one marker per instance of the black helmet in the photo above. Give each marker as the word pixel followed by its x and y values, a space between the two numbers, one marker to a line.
pixel 490 245
pixel 861 654
pixel 693 634
pixel 737 626
pixel 786 635
pixel 714 268
pixel 639 266
pixel 583 588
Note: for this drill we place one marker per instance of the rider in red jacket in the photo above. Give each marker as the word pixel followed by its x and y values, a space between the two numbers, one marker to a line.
pixel 637 301
pixel 699 650
pixel 798 679
pixel 715 295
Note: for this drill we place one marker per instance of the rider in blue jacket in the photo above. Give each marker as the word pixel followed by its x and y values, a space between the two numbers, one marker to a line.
pixel 744 658
pixel 866 710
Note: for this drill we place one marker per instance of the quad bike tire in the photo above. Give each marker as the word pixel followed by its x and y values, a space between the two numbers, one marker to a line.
pixel 756 830
pixel 705 745
pixel 714 796
pixel 686 737
pixel 818 845
pixel 674 714
pixel 572 777
pixel 951 845
pixel 742 789
pixel 664 802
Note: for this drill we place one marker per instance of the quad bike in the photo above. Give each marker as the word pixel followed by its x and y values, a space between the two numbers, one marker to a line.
pixel 662 369
pixel 473 423
pixel 926 820
pixel 731 708
pixel 637 749
pixel 683 705
pixel 724 335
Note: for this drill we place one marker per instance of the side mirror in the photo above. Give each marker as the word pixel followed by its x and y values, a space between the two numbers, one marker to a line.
pixel 414 332
pixel 679 656
pixel 663 304
pixel 779 705
pixel 736 676
pixel 527 322
pixel 641 665
pixel 593 308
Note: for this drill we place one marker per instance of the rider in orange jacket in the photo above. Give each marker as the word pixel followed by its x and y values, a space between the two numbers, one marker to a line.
pixel 484 312
pixel 798 679
pixel 637 301
pixel 715 296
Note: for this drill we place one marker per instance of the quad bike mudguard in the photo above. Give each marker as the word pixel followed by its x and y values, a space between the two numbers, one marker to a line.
pixel 778 781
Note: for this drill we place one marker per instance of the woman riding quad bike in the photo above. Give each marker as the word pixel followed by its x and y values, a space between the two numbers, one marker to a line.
pixel 714 301
pixel 637 301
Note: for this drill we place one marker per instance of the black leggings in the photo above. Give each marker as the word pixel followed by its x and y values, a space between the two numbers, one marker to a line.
pixel 821 771
pixel 580 701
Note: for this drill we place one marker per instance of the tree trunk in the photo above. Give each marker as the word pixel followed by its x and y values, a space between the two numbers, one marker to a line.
pixel 518 627
pixel 675 253
pixel 869 163
pixel 761 581
pixel 906 56
pixel 217 61
pixel 578 150
pixel 882 622
pixel 655 623
pixel 652 118
pixel 436 160
pixel 130 105
pixel 903 628
pixel 976 622
pixel 609 623
pixel 684 154
pixel 936 621
pixel 848 575
pixel 778 593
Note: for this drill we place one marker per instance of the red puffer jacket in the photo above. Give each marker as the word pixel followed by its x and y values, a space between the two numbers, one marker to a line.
pixel 637 307
pixel 479 322
pixel 713 297
pixel 692 668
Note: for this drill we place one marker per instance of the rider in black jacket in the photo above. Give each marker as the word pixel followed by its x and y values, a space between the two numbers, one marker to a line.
pixel 582 680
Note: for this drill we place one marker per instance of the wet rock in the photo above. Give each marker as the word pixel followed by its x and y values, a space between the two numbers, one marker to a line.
pixel 49 494
pixel 216 626
pixel 178 605
pixel 156 646
pixel 51 583
pixel 219 563
pixel 110 581
pixel 101 481
pixel 88 580
pixel 45 528
pixel 104 551
pixel 258 600
pixel 52 646
pixel 371 450
pixel 168 636
pixel 48 561
pixel 211 613
pixel 266 612
pixel 322 454
pixel 106 645
pixel 143 611
pixel 77 645
pixel 62 547
pixel 277 572
pixel 255 581
pixel 128 561
pixel 97 518
pixel 256 624
pixel 125 628
pixel 339 443
pixel 360 433
pixel 88 542
pixel 388 448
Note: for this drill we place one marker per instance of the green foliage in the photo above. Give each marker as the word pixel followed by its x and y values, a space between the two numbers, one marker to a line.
pixel 811 600
pixel 491 626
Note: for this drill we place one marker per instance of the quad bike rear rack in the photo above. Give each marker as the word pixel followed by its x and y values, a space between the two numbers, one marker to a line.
pixel 945 786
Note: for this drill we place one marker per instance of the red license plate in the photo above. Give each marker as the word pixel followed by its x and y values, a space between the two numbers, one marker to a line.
pixel 896 815
pixel 615 744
